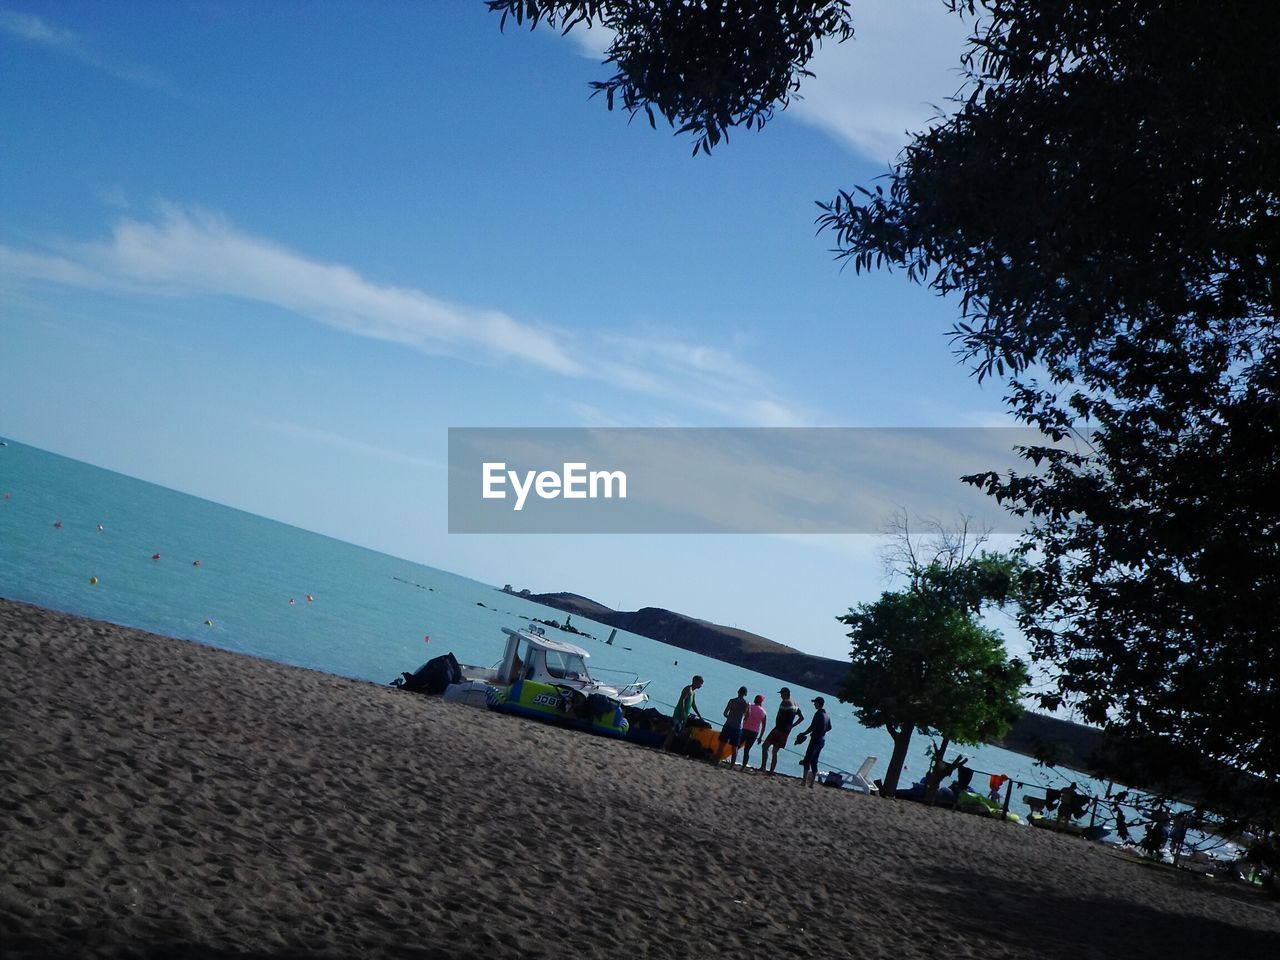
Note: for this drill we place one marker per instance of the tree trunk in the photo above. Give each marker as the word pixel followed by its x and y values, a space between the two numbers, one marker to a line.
pixel 935 771
pixel 901 740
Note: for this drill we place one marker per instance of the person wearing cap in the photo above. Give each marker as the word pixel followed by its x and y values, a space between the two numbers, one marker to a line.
pixel 753 729
pixel 686 705
pixel 819 727
pixel 787 718
pixel 735 711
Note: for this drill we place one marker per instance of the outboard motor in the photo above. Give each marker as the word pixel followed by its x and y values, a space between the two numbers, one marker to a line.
pixel 432 677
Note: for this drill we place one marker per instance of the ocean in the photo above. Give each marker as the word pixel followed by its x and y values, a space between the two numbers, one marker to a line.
pixel 88 541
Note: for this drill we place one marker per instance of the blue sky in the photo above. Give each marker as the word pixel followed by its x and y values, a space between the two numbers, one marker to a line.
pixel 269 253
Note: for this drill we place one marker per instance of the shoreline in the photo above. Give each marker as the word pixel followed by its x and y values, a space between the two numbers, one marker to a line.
pixel 162 797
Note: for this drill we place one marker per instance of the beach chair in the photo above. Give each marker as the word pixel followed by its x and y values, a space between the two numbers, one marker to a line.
pixel 861 781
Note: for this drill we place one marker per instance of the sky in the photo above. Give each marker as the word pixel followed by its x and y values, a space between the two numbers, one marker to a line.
pixel 268 254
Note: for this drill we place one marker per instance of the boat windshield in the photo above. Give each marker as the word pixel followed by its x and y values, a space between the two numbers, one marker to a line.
pixel 566 666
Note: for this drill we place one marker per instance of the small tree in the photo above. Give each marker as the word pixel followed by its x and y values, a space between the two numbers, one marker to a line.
pixel 923 661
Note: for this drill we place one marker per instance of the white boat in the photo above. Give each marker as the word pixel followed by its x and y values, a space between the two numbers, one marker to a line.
pixel 549 680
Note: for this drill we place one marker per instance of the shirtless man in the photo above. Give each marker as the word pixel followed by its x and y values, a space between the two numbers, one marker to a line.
pixel 735 712
pixel 788 716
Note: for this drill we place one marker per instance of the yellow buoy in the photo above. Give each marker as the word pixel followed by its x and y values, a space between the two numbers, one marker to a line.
pixel 93 581
pixel 208 623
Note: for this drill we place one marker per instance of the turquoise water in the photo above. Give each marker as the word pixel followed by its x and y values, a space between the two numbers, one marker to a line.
pixel 369 611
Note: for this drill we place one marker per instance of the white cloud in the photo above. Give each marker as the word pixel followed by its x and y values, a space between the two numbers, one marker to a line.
pixel 664 365
pixel 185 253
pixel 688 358
pixel 890 80
pixel 28 27
pixel 188 252
pixel 32 29
pixel 594 42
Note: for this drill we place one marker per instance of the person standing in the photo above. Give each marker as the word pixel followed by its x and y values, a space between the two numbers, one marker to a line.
pixel 788 717
pixel 686 706
pixel 735 711
pixel 753 729
pixel 819 727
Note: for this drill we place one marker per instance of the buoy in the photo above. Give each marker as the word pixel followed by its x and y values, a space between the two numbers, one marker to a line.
pixel 292 601
pixel 195 563
pixel 93 581
pixel 57 524
pixel 155 556
pixel 8 495
pixel 208 623
pixel 427 638
pixel 310 598
pixel 99 528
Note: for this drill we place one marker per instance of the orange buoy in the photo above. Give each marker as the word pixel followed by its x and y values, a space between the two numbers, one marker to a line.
pixel 155 556
pixel 427 638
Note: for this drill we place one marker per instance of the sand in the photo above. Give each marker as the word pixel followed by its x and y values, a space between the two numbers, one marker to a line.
pixel 160 798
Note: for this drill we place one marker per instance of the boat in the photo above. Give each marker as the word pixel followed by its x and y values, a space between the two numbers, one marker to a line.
pixel 547 680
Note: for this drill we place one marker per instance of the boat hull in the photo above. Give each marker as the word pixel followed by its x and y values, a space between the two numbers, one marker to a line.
pixel 473 693
pixel 562 706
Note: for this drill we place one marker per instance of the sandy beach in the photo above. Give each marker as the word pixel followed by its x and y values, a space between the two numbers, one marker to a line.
pixel 160 798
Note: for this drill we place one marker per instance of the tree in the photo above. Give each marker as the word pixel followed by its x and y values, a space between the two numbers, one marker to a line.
pixel 1104 205
pixel 708 66
pixel 921 660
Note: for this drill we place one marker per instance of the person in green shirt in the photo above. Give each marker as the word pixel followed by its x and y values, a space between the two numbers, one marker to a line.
pixel 686 706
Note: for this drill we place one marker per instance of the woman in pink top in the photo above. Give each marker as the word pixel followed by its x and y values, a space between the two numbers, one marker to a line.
pixel 752 728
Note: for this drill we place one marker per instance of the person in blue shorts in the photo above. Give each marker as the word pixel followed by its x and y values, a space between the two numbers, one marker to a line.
pixel 735 711
pixel 817 732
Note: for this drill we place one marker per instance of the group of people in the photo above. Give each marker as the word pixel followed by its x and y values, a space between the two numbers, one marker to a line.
pixel 744 725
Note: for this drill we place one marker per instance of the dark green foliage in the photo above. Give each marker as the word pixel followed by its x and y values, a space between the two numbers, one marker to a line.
pixel 706 66
pixel 1106 203
pixel 923 661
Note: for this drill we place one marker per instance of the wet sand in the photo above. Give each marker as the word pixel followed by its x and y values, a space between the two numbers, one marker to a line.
pixel 160 798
